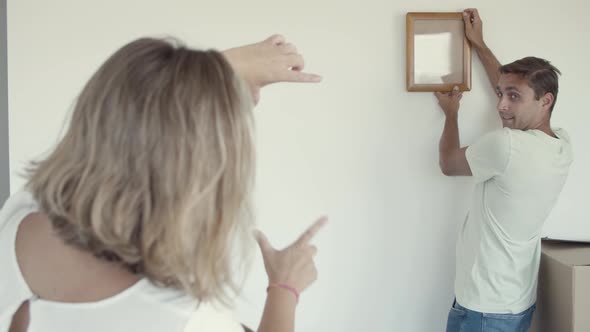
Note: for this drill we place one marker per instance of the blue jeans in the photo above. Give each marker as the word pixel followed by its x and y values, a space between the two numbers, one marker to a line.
pixel 464 320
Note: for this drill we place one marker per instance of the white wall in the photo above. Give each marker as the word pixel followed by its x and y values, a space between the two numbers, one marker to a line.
pixel 357 147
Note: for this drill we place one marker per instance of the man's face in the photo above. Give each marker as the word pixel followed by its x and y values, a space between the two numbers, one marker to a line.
pixel 517 105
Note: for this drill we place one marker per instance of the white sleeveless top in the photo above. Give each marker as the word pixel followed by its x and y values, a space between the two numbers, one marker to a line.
pixel 141 307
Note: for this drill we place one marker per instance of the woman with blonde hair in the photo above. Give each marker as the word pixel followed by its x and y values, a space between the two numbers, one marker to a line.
pixel 140 217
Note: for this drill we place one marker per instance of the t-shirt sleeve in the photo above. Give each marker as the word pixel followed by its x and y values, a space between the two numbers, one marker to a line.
pixel 490 155
pixel 209 317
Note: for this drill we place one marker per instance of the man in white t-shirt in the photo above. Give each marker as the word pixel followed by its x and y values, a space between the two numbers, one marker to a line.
pixel 519 172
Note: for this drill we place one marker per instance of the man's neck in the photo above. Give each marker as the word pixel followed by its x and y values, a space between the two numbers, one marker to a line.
pixel 546 128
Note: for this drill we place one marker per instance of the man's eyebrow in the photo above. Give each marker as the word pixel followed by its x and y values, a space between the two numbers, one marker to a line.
pixel 508 88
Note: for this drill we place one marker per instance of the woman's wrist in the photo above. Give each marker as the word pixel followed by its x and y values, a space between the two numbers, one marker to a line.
pixel 284 288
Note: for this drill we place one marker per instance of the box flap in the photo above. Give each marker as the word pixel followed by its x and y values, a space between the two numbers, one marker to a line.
pixel 581 294
pixel 568 238
pixel 569 253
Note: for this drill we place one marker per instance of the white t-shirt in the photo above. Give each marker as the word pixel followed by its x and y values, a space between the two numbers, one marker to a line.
pixel 141 307
pixel 519 176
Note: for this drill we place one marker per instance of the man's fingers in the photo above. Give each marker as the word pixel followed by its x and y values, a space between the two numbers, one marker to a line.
pixel 471 15
pixel 440 95
pixel 448 94
pixel 312 230
pixel 469 11
pixel 475 14
pixel 467 18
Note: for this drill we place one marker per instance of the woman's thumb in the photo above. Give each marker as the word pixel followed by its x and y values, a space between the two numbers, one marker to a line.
pixel 262 242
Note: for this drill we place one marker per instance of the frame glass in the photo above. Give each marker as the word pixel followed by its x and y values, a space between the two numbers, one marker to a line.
pixel 438 54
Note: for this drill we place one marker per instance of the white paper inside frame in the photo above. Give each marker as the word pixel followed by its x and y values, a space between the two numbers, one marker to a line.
pixel 438 51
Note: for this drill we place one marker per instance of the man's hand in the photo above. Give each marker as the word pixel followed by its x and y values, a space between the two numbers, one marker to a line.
pixel 270 61
pixel 473 27
pixel 449 101
pixel 473 31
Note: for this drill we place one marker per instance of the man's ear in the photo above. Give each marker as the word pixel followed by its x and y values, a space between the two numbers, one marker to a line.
pixel 547 100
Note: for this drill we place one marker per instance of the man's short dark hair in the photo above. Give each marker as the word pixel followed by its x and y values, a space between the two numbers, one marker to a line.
pixel 540 74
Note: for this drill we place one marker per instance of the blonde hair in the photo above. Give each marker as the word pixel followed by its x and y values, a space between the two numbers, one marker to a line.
pixel 156 167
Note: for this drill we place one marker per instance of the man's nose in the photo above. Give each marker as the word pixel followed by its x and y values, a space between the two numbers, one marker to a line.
pixel 502 105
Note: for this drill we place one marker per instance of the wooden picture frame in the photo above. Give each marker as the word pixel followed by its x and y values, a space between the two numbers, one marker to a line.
pixel 438 54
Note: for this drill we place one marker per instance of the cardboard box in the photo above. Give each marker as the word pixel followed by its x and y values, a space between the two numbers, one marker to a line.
pixel 563 301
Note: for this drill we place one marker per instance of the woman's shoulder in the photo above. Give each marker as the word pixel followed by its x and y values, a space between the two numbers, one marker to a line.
pixel 210 317
pixel 199 316
pixel 18 203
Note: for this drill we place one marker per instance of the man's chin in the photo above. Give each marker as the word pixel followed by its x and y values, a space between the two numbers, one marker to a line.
pixel 508 124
